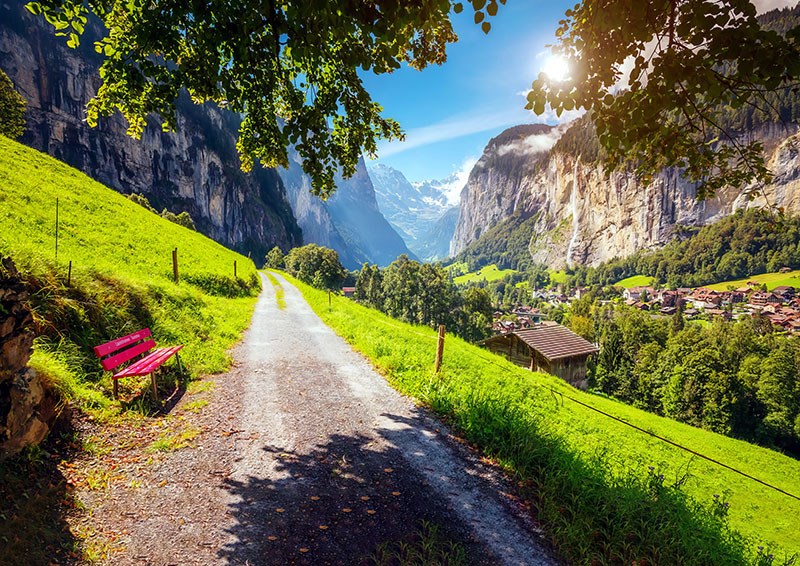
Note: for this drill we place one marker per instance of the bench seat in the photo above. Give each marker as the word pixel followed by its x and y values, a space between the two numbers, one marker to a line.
pixel 149 363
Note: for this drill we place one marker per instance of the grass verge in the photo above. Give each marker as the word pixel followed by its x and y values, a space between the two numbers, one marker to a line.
pixel 604 492
pixel 280 294
pixel 112 276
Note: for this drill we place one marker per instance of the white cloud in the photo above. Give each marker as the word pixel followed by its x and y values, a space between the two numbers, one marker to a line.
pixel 536 143
pixel 456 182
pixel 449 129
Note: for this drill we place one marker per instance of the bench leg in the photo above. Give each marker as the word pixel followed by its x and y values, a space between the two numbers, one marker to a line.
pixel 180 367
pixel 153 383
pixel 115 387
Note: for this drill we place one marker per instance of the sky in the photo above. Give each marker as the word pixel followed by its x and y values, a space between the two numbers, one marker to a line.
pixel 450 112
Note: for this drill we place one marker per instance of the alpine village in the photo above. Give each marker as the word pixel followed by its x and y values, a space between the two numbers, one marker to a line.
pixel 435 282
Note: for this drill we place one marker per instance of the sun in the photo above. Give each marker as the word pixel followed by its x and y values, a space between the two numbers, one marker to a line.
pixel 556 68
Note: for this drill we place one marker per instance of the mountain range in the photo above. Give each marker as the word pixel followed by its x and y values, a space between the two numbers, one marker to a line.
pixel 421 212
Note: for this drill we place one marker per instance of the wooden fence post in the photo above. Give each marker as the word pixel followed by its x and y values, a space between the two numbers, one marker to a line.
pixel 69 274
pixel 175 264
pixel 234 269
pixel 439 349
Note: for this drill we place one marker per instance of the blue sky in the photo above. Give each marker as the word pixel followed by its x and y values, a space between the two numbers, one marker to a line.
pixel 450 112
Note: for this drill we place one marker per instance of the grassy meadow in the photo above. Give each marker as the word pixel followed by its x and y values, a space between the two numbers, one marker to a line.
pixel 487 273
pixel 122 279
pixel 604 491
pixel 635 281
pixel 772 280
pixel 493 273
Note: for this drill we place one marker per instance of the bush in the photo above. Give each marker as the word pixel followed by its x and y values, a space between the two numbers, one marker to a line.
pixel 316 266
pixel 142 201
pixel 12 109
pixel 182 219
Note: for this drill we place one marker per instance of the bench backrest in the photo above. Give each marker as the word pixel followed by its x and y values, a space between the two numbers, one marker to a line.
pixel 121 350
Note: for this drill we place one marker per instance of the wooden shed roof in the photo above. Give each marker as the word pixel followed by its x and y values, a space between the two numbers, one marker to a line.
pixel 555 342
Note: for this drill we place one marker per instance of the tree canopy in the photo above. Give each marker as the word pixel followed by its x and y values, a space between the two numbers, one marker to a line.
pixel 290 67
pixel 656 74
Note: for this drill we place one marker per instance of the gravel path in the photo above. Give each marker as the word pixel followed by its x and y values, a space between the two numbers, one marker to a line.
pixel 308 456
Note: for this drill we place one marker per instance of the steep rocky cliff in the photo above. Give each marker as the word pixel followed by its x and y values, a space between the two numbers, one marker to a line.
pixel 195 169
pixel 350 222
pixel 566 210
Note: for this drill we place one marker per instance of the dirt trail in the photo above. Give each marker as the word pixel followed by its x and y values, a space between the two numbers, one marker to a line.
pixel 309 457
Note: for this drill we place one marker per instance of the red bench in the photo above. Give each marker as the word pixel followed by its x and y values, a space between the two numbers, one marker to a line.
pixel 141 346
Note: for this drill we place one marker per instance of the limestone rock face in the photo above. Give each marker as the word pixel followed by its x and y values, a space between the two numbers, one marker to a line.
pixel 583 216
pixel 195 169
pixel 25 408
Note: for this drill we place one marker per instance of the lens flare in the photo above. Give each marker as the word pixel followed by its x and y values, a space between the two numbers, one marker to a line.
pixel 556 68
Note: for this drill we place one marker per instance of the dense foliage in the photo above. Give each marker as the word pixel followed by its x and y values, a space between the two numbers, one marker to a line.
pixel 315 265
pixel 422 293
pixel 736 247
pixel 12 109
pixel 734 378
pixel 290 68
pixel 505 244
pixel 274 259
pixel 691 60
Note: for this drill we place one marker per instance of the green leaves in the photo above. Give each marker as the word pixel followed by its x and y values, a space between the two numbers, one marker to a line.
pixel 290 70
pixel 692 59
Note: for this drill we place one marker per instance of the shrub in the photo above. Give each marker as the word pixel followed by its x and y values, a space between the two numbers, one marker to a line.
pixel 12 109
pixel 142 201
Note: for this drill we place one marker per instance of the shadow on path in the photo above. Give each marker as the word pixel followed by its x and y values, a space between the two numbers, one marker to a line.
pixel 339 502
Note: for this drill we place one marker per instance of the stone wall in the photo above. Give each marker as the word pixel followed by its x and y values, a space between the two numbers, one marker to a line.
pixel 26 409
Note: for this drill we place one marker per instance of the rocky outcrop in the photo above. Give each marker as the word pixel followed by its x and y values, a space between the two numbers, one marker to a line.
pixel 26 410
pixel 581 215
pixel 195 169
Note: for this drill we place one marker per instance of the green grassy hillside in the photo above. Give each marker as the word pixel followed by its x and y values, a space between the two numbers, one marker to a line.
pixel 772 280
pixel 635 281
pixel 121 276
pixel 590 476
pixel 486 273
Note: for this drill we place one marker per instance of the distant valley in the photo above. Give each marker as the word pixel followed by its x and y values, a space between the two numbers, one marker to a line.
pixel 421 212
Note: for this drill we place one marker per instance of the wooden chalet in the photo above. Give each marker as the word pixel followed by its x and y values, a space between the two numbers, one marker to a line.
pixel 786 292
pixel 547 347
pixel 763 298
